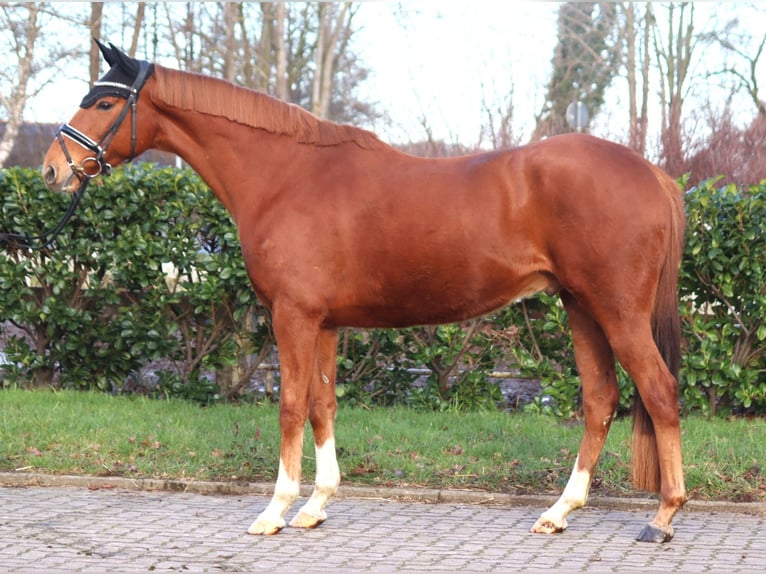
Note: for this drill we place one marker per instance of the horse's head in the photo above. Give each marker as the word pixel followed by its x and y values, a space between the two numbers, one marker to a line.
pixel 104 131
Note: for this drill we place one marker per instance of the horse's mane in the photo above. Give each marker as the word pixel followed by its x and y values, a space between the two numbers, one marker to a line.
pixel 195 92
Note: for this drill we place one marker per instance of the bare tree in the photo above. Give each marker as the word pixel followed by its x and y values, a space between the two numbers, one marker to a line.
pixel 184 34
pixel 636 37
pixel 497 128
pixel 301 53
pixel 746 79
pixel 271 51
pixel 332 23
pixel 281 83
pixel 246 49
pixel 230 45
pixel 23 23
pixel 674 60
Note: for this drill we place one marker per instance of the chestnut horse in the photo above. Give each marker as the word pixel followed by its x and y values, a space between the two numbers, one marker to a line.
pixel 339 229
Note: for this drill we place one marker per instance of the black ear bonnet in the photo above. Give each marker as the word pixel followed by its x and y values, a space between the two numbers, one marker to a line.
pixel 118 81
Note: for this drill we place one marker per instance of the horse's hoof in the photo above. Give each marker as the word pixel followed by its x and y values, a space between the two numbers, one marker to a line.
pixel 656 534
pixel 265 527
pixel 305 520
pixel 547 526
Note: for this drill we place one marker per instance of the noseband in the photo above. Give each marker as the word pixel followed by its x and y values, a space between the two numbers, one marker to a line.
pixel 92 166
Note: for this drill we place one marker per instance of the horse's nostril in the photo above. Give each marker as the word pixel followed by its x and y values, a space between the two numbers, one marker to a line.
pixel 49 175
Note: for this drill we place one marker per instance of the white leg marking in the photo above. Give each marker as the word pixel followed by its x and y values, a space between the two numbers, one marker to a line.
pixel 286 492
pixel 327 481
pixel 574 496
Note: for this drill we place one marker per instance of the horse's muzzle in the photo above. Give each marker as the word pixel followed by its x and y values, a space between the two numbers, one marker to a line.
pixel 55 181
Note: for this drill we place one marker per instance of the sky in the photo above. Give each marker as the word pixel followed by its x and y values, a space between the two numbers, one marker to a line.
pixel 443 60
pixel 436 64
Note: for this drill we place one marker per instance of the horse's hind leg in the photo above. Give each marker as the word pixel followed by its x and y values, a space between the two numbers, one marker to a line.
pixel 657 443
pixel 595 362
pixel 297 338
pixel 322 408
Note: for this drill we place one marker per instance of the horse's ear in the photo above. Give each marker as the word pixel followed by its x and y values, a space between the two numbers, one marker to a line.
pixel 115 57
pixel 106 52
pixel 123 59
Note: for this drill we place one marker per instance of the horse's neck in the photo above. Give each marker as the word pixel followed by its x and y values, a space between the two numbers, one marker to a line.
pixel 231 158
pixel 243 143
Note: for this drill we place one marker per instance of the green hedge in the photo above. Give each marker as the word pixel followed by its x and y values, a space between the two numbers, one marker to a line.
pixel 149 272
pixel 723 292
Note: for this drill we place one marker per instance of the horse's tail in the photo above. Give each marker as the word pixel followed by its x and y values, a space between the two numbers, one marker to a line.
pixel 666 327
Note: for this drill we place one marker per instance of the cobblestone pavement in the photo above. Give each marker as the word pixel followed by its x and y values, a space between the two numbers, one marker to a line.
pixel 77 529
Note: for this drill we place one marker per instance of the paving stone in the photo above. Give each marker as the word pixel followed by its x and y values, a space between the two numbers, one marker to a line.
pixel 79 530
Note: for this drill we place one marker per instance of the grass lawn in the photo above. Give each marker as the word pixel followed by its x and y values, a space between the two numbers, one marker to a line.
pixel 95 434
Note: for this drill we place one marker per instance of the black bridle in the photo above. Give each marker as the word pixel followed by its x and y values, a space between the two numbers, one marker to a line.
pixel 91 166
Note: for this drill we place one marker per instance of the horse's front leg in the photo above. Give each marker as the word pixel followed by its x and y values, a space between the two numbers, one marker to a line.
pixel 322 408
pixel 297 340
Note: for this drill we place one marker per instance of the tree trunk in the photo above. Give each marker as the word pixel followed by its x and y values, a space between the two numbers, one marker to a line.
pixel 674 59
pixel 631 64
pixel 247 52
pixel 281 92
pixel 137 28
pixel 644 117
pixel 96 12
pixel 637 61
pixel 319 59
pixel 12 127
pixel 331 25
pixel 230 47
pixel 328 67
pixel 233 380
pixel 262 77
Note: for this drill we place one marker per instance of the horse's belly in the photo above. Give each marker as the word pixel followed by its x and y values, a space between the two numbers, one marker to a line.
pixel 429 304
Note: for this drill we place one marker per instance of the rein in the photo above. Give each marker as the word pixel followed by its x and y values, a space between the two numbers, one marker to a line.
pixel 44 239
pixel 83 172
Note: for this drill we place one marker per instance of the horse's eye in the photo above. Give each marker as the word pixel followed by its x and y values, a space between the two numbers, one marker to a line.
pixel 104 105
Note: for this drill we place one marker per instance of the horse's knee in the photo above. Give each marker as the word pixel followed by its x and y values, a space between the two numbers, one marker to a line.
pixel 291 419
